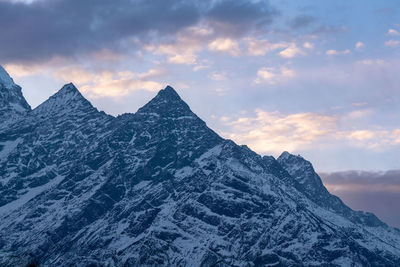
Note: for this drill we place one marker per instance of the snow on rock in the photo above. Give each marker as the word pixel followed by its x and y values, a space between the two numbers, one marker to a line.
pixel 13 105
pixel 5 78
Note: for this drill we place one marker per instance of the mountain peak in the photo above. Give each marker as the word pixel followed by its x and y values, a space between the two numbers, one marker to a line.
pixel 295 164
pixel 168 94
pixel 66 99
pixel 12 102
pixel 303 172
pixel 69 88
pixel 286 155
pixel 5 78
pixel 167 103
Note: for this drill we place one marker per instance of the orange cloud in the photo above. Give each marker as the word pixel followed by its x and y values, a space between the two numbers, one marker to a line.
pixel 275 132
pixel 272 75
pixel 225 45
pixel 291 51
pixel 111 84
pixel 333 52
pixel 257 47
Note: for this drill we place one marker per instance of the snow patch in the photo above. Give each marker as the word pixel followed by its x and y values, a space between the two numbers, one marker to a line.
pixel 8 147
pixel 33 192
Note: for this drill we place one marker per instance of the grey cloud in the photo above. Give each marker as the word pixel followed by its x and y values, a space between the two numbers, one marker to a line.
pixel 46 28
pixel 235 17
pixel 301 21
pixel 363 177
pixel 377 192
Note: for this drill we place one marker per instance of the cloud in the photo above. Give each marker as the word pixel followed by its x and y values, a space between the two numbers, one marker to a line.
pixel 107 55
pixel 110 84
pixel 77 75
pixel 187 59
pixel 362 135
pixel 291 51
pixel 359 45
pixel 370 139
pixel 333 52
pixel 308 45
pixel 273 75
pixel 218 76
pixel 266 73
pixel 392 43
pixel 275 132
pixel 257 47
pixel 393 32
pixel 226 45
pixel 184 47
pixel 22 69
pixel 364 180
pixel 301 21
pixel 235 18
pixel 70 28
pixel 377 192
pixel 378 62
pixel 200 67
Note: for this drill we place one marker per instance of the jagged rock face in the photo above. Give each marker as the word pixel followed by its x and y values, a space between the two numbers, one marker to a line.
pixel 310 184
pixel 12 102
pixel 158 187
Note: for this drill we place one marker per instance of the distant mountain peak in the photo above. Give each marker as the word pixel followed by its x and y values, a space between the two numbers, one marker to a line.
pixel 69 88
pixel 167 103
pixel 12 102
pixel 168 94
pixel 297 166
pixel 5 78
pixel 286 155
pixel 66 99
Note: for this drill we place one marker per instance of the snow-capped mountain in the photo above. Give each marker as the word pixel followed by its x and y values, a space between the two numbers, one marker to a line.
pixel 158 187
pixel 12 102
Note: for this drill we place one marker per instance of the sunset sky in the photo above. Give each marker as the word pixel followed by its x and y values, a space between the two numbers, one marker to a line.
pixel 316 78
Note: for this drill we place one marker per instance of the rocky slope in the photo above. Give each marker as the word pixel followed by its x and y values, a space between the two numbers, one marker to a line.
pixel 81 188
pixel 12 102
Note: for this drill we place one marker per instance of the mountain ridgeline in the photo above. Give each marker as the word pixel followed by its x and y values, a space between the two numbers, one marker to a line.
pixel 158 187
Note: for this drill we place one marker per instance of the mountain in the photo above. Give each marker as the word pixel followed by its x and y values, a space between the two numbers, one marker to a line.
pixel 310 184
pixel 12 102
pixel 158 187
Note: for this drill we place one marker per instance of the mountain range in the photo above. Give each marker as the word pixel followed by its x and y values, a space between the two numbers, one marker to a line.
pixel 158 187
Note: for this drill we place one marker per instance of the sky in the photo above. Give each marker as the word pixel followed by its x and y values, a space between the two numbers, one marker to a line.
pixel 316 78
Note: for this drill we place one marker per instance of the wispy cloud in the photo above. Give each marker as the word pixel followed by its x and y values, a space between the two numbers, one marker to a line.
pixel 393 32
pixel 333 52
pixel 217 76
pixel 291 51
pixel 273 75
pixel 359 45
pixel 392 43
pixel 308 45
pixel 225 45
pixel 275 132
pixel 257 47
pixel 110 84
pixel 302 21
